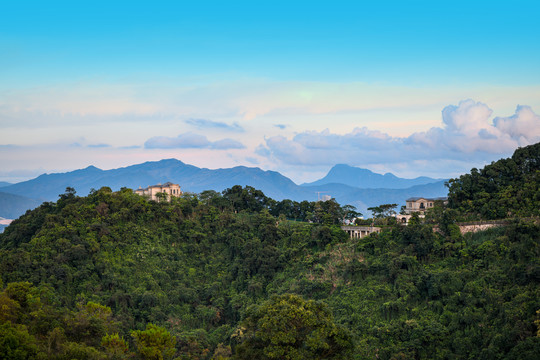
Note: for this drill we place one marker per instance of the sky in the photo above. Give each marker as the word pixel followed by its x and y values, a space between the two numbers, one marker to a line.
pixel 416 88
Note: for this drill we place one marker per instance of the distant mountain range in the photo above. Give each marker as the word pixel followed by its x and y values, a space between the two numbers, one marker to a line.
pixel 47 187
pixel 366 179
pixel 348 185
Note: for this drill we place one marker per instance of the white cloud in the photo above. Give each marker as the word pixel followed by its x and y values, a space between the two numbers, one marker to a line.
pixel 468 128
pixel 523 126
pixel 467 134
pixel 466 118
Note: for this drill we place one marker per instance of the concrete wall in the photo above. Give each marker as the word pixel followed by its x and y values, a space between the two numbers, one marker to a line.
pixel 358 232
pixel 479 226
pixel 475 226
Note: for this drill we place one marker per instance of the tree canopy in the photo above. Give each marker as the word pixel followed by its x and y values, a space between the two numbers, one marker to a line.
pixel 506 188
pixel 288 327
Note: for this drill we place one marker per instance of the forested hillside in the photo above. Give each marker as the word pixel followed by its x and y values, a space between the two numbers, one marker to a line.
pixel 505 188
pixel 219 276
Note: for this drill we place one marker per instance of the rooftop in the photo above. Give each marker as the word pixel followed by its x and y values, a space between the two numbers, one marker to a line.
pixel 428 199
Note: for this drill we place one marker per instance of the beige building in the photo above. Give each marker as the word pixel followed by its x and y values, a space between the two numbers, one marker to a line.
pixel 421 204
pixel 168 188
pixel 418 205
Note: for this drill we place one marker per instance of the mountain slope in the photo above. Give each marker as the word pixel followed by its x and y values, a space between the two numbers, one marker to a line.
pixel 12 206
pixel 366 179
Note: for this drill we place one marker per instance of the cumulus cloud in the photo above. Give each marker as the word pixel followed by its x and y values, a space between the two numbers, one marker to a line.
pixel 209 124
pixel 523 126
pixel 191 141
pixel 467 133
pixel 467 128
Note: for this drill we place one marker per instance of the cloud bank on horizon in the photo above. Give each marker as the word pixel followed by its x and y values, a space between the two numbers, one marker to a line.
pixel 467 133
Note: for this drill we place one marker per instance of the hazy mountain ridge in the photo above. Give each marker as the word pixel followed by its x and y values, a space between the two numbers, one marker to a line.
pixel 367 179
pixel 13 206
pixel 364 198
pixel 47 187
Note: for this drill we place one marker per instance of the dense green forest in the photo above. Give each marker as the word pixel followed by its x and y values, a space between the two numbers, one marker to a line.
pixel 505 188
pixel 237 275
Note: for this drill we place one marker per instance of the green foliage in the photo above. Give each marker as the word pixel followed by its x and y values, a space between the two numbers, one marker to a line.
pixel 505 188
pixel 154 343
pixel 383 211
pixel 115 346
pixel 16 343
pixel 288 327
pixel 90 323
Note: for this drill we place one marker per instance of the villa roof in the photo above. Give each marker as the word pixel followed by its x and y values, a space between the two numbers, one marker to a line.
pixel 167 184
pixel 428 199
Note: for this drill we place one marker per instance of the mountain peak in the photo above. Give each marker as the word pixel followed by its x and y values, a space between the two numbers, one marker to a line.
pixel 339 168
pixel 92 168
pixel 163 162
pixel 170 161
pixel 86 170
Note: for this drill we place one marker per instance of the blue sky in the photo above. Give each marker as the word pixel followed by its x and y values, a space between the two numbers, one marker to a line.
pixel 411 87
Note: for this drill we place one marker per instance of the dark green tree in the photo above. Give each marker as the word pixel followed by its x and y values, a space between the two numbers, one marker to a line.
pixel 154 343
pixel 289 327
pixel 350 213
pixel 247 198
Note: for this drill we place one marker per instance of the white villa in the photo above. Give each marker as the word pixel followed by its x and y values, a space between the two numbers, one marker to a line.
pixel 418 205
pixel 421 204
pixel 168 188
